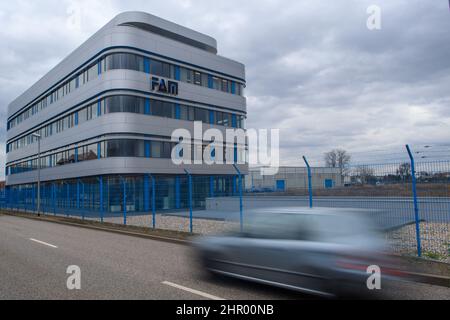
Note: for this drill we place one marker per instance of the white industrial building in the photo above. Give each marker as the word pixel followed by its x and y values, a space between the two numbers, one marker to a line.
pixel 292 178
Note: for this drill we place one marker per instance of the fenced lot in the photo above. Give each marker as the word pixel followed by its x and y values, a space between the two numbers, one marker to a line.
pixel 411 201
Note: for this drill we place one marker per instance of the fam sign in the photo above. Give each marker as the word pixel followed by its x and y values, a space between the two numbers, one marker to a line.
pixel 164 86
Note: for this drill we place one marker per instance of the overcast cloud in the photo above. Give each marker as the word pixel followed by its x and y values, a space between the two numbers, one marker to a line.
pixel 313 68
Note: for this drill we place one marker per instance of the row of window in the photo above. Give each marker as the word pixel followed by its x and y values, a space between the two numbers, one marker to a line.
pixel 130 61
pixel 132 104
pixel 57 94
pixel 108 149
pixel 140 63
pixel 172 192
pixel 58 126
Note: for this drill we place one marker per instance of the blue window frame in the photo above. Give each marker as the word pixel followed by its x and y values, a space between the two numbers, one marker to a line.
pixel 210 81
pixel 99 150
pixel 147 106
pixel 233 121
pixel 146 65
pixel 177 111
pixel 147 149
pixel 177 73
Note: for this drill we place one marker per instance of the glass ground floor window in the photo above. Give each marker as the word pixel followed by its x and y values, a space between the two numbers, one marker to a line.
pixel 113 194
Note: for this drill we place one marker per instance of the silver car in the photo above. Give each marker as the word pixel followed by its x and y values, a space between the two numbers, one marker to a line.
pixel 320 251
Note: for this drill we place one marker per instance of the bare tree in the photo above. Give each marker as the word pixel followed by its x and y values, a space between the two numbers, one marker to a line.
pixel 338 158
pixel 404 171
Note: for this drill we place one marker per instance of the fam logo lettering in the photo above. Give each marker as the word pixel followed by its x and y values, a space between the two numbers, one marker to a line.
pixel 164 86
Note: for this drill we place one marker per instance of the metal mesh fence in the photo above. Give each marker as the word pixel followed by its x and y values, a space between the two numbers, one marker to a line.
pixel 409 200
pixel 177 203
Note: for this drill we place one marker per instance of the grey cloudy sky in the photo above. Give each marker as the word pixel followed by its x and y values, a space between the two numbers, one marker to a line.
pixel 314 70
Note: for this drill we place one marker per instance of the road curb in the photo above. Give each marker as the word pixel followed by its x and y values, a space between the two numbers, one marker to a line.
pixel 436 280
pixel 88 225
pixel 439 275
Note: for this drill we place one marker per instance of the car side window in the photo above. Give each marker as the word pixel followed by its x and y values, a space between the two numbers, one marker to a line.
pixel 280 227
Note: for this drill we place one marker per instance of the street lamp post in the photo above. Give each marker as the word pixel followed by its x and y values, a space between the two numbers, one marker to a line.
pixel 38 136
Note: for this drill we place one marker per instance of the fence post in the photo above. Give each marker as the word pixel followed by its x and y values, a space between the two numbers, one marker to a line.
pixel 416 206
pixel 68 198
pixel 83 214
pixel 124 184
pixel 309 182
pixel 241 206
pixel 100 181
pixel 190 199
pixel 78 194
pixel 146 195
pixel 54 198
pixel 177 192
pixel 153 201
pixel 33 195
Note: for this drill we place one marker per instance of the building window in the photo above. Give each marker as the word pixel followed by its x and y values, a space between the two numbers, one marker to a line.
pixel 201 115
pixel 225 86
pixel 92 73
pixel 156 148
pixel 125 61
pixel 219 118
pixel 125 148
pixel 132 104
pixel 160 68
pixel 197 78
pixel 129 61
pixel 187 75
pixel 162 108
pixel 216 83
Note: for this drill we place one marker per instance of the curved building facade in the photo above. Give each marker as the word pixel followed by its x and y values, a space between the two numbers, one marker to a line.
pixel 106 113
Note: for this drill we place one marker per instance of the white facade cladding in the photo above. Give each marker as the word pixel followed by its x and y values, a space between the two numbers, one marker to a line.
pixel 101 99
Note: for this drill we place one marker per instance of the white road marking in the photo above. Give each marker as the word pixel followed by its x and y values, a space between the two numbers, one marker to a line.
pixel 200 293
pixel 44 243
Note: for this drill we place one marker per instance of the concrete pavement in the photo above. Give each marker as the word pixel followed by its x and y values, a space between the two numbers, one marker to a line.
pixel 34 257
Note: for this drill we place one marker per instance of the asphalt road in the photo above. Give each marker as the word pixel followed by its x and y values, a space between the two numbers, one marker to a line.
pixel 35 255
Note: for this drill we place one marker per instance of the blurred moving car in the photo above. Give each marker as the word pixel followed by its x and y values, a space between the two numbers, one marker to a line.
pixel 323 251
